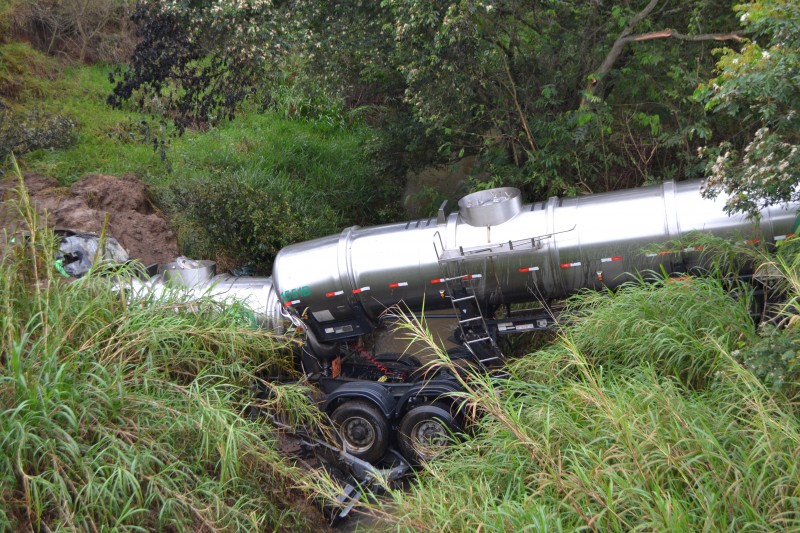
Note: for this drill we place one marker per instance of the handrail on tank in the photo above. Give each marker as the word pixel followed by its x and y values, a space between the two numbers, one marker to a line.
pixel 535 244
pixel 441 243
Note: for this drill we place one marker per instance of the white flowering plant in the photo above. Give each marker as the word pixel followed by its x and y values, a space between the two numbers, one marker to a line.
pixel 759 87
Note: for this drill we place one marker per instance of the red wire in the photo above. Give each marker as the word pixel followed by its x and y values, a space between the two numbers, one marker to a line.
pixel 369 357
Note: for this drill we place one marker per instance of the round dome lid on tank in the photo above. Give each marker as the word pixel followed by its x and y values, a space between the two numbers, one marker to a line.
pixel 490 207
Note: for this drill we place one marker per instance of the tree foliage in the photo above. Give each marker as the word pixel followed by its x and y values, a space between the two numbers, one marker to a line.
pixel 759 87
pixel 535 89
pixel 553 96
pixel 197 60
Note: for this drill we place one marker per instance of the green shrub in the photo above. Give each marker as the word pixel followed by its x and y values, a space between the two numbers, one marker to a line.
pixel 775 359
pixel 261 182
pixel 236 220
pixel 33 130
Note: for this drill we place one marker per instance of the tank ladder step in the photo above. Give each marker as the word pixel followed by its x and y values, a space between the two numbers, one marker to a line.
pixel 471 322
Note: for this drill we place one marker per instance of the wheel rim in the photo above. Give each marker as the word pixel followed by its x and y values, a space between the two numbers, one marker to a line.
pixel 429 438
pixel 358 434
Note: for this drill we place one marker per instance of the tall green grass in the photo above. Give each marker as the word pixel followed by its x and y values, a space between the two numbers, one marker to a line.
pixel 124 414
pixel 638 418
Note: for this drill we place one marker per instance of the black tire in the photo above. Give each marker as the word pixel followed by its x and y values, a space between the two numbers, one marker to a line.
pixel 363 428
pixel 425 430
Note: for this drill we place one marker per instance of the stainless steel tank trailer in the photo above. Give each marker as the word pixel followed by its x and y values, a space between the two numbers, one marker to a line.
pixel 489 254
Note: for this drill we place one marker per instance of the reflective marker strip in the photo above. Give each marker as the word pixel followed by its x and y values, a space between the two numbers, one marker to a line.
pixel 475 276
pixel 751 241
pixel 529 269
pixel 611 259
pixel 359 291
pixel 784 237
pixel 570 265
pixel 400 284
pixel 293 302
pixel 332 294
pixel 670 252
pixel 438 280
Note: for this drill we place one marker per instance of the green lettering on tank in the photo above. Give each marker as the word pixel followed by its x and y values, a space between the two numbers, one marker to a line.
pixel 296 294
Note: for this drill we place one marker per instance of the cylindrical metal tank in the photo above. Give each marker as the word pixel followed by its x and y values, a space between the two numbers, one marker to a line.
pixel 339 285
pixel 190 280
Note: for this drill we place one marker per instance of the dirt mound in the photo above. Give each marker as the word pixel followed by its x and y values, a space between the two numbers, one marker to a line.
pixel 133 221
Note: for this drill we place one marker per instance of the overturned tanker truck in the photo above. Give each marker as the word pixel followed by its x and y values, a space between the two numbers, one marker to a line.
pixel 479 260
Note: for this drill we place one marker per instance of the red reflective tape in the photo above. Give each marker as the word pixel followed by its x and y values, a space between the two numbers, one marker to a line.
pixel 398 284
pixel 784 237
pixel 611 259
pixel 359 291
pixel 437 280
pixel 529 269
pixel 333 293
pixel 293 302
pixel 570 265
pixel 476 276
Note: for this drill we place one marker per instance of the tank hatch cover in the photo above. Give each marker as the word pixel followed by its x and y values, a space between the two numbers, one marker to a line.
pixel 490 207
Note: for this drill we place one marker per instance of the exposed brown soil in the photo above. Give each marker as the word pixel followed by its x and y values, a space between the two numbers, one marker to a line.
pixel 132 219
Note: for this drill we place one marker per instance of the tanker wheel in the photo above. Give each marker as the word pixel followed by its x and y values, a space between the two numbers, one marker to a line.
pixel 363 429
pixel 425 431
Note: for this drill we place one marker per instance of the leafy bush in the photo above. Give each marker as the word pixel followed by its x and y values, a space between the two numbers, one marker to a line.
pixel 33 130
pixel 264 182
pixel 759 165
pixel 775 360
pixel 237 220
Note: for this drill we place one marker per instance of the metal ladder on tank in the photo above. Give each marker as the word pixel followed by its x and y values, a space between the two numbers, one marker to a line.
pixel 460 288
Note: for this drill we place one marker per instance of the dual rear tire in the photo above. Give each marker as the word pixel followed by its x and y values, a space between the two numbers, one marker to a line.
pixel 424 431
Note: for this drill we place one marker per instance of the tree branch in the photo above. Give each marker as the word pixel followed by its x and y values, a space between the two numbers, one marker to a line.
pixel 512 89
pixel 625 38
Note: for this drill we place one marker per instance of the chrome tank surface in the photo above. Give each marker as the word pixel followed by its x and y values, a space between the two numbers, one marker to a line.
pixel 339 285
pixel 188 281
